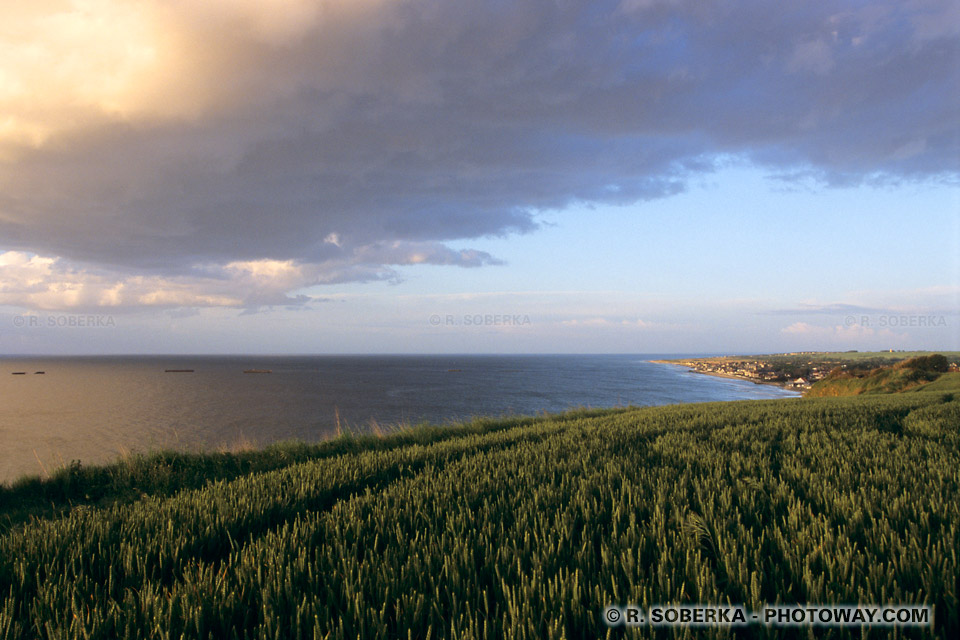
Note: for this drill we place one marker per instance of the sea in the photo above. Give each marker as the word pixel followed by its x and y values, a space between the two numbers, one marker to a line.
pixel 94 409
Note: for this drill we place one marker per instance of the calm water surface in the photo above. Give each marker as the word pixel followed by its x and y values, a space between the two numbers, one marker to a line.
pixel 93 409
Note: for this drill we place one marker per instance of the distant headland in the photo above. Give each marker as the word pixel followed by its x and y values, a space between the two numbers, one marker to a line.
pixel 817 372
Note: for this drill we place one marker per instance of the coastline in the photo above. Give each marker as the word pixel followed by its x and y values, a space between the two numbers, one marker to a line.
pixel 730 376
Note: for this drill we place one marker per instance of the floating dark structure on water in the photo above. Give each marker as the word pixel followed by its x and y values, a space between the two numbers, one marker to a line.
pixel 258 370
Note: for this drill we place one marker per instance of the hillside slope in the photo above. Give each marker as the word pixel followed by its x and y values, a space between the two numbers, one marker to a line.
pixel 910 375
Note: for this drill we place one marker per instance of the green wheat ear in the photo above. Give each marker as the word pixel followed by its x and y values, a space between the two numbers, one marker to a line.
pixel 695 528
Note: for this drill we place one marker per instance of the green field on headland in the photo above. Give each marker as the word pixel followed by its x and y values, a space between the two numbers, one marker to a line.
pixel 800 370
pixel 524 528
pixel 931 372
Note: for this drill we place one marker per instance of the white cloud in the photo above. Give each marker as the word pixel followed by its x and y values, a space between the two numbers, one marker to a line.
pixel 43 283
pixel 48 283
pixel 619 323
pixel 842 335
pixel 812 56
pixel 936 299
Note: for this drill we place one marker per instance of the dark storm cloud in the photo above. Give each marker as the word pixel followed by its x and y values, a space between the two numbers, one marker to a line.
pixel 356 142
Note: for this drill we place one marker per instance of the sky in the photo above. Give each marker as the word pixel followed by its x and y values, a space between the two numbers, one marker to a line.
pixel 425 176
